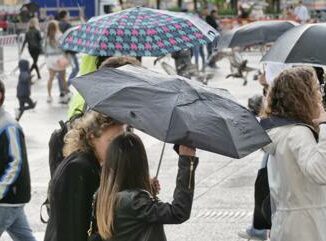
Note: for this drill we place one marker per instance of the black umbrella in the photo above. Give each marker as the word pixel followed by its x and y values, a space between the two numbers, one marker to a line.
pixel 304 44
pixel 259 32
pixel 173 109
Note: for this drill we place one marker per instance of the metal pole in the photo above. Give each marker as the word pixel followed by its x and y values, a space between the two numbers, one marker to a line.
pixel 158 4
pixel 160 162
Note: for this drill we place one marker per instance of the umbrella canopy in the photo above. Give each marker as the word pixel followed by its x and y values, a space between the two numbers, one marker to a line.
pixel 173 109
pixel 259 32
pixel 138 32
pixel 304 44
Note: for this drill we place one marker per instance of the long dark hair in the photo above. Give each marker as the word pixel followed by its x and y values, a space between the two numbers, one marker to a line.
pixel 125 167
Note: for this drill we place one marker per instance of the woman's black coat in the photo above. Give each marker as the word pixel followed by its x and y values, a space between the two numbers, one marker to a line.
pixel 71 194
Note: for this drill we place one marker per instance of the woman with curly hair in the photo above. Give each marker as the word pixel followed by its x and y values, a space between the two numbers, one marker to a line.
pixel 297 161
pixel 78 176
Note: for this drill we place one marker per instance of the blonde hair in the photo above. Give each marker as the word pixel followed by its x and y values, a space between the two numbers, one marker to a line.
pixel 125 168
pixel 295 95
pixel 33 23
pixel 91 124
pixel 52 31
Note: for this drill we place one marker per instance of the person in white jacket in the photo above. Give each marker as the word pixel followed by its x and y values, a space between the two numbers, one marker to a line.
pixel 297 161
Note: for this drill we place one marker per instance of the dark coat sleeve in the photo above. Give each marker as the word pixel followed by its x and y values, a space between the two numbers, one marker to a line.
pixel 73 210
pixel 148 210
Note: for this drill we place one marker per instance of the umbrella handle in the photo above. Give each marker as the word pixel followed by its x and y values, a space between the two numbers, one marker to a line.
pixel 160 162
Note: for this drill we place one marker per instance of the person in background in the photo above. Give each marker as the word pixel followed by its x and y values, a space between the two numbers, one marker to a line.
pixel 301 13
pixel 15 183
pixel 126 207
pixel 55 61
pixel 24 89
pixel 90 64
pixel 199 51
pixel 34 41
pixel 64 25
pixel 211 19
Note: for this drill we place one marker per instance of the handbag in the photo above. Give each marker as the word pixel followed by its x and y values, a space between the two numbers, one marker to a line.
pixel 262 210
pixel 92 232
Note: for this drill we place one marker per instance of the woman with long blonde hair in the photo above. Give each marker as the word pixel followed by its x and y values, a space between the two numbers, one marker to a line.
pixel 56 61
pixel 126 208
pixel 77 177
pixel 34 41
pixel 297 161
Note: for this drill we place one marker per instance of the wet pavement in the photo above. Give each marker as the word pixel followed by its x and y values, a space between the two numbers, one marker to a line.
pixel 224 187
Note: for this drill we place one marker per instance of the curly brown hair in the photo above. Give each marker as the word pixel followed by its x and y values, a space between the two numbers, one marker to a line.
pixel 294 95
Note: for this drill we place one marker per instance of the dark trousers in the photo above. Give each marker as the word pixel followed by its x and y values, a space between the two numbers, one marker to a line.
pixel 35 53
pixel 22 105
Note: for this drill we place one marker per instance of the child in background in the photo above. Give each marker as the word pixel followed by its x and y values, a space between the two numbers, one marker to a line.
pixel 24 89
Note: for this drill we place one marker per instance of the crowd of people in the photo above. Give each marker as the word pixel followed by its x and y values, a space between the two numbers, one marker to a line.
pixel 56 60
pixel 102 189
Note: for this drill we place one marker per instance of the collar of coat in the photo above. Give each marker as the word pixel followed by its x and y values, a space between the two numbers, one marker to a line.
pixel 274 121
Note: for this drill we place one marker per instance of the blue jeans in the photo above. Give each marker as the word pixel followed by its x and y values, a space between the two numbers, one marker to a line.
pixel 13 220
pixel 75 68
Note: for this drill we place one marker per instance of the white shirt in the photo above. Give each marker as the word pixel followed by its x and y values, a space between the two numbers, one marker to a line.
pixel 301 12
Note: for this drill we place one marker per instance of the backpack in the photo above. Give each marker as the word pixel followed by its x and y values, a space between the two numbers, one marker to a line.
pixel 56 144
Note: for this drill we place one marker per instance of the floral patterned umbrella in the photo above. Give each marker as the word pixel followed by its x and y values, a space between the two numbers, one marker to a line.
pixel 138 32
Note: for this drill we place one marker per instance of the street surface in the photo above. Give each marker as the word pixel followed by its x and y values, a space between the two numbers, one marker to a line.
pixel 224 187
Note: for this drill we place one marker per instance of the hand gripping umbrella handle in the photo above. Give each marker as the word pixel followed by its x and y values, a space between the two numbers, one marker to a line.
pixel 160 162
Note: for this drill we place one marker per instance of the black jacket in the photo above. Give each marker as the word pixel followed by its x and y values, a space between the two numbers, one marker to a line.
pixel 15 184
pixel 34 40
pixel 212 21
pixel 64 26
pixel 71 193
pixel 24 79
pixel 140 217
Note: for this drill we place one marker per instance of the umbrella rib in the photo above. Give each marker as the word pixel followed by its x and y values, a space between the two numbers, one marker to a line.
pixel 233 145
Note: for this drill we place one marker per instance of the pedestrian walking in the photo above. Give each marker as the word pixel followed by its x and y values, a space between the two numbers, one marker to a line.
pixel 301 13
pixel 56 61
pixel 78 176
pixel 296 163
pixel 212 19
pixel 24 89
pixel 199 51
pixel 34 41
pixel 126 207
pixel 15 184
pixel 64 25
